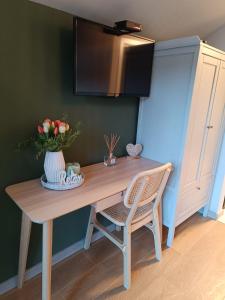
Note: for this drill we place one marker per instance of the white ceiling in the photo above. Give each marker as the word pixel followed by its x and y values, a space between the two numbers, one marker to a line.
pixel 161 19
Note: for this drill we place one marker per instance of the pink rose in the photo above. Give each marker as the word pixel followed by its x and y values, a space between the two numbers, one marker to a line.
pixel 40 129
pixel 56 131
pixel 57 122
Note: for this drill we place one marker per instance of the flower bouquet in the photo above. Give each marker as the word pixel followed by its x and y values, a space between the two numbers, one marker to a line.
pixel 52 137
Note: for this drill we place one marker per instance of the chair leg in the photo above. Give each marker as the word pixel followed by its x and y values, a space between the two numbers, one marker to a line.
pixel 127 258
pixel 118 228
pixel 157 236
pixel 90 228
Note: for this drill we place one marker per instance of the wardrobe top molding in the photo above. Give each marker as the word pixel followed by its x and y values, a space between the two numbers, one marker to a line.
pixel 191 42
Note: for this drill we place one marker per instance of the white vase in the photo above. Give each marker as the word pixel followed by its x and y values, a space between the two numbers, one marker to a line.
pixel 53 164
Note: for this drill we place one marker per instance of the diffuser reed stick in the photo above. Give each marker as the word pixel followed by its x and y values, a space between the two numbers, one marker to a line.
pixel 111 142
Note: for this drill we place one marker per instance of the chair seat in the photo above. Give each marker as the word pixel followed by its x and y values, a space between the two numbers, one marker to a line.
pixel 118 213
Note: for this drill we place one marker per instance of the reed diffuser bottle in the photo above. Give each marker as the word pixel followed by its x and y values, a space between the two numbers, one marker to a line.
pixel 111 143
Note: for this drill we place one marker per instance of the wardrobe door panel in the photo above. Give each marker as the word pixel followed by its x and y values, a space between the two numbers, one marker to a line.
pixel 214 127
pixel 198 119
pixel 192 199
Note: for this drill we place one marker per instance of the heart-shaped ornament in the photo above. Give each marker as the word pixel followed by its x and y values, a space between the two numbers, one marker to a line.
pixel 134 150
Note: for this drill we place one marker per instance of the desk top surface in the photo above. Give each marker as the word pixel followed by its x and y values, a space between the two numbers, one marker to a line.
pixel 41 204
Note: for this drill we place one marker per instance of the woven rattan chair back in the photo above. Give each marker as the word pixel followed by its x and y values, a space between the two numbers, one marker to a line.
pixel 145 186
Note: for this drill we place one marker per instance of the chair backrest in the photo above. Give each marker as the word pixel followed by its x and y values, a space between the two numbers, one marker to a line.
pixel 147 186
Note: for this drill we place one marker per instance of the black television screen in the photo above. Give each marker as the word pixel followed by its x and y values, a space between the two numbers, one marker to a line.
pixel 106 64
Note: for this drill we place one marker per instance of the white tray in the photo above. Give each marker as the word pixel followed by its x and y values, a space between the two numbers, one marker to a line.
pixel 60 186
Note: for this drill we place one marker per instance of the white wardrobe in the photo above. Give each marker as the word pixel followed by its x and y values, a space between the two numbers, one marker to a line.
pixel 183 122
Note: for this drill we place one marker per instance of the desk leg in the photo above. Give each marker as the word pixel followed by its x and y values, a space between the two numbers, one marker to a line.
pixel 160 219
pixel 24 244
pixel 46 260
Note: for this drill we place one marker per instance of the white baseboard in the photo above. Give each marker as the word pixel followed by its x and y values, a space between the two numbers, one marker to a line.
pixel 11 283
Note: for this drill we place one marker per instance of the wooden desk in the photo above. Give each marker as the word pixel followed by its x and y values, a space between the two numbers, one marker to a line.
pixel 42 206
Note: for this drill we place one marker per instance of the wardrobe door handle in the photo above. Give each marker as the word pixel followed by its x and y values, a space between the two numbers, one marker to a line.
pixel 210 127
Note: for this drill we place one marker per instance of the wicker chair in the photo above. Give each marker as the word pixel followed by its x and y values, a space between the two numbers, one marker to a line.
pixel 138 208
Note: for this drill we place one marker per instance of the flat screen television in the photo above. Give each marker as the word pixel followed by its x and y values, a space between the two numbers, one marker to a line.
pixel 107 64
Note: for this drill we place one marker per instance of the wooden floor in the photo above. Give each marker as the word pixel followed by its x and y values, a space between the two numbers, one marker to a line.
pixel 194 268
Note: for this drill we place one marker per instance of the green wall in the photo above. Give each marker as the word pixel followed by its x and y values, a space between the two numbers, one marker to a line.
pixel 36 72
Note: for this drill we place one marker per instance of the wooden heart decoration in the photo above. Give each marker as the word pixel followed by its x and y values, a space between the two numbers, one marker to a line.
pixel 134 150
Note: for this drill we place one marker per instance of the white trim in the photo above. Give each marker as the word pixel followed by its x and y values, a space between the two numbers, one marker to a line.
pixel 178 43
pixel 209 47
pixel 140 114
pixel 11 283
pixel 188 42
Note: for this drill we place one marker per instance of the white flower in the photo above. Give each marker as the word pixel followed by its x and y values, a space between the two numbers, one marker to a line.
pixel 46 124
pixel 45 129
pixel 62 128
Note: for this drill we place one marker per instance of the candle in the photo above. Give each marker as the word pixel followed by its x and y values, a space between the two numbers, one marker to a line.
pixel 75 167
